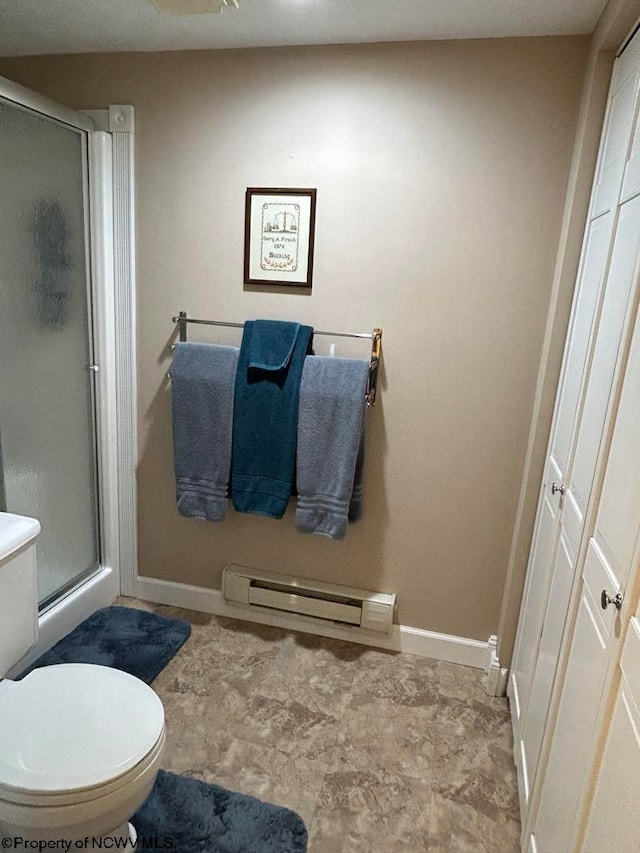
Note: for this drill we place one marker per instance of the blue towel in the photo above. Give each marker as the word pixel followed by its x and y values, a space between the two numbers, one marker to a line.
pixel 202 382
pixel 265 417
pixel 330 445
pixel 355 504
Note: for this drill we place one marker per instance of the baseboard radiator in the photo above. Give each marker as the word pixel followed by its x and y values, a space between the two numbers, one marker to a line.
pixel 342 605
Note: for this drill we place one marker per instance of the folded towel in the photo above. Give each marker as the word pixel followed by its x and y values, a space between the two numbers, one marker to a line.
pixel 265 416
pixel 330 441
pixel 202 385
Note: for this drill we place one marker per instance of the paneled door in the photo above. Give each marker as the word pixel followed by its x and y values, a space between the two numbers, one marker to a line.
pixel 600 309
pixel 614 815
pixel 611 556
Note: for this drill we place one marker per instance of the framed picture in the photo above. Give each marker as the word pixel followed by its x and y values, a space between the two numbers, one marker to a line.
pixel 279 228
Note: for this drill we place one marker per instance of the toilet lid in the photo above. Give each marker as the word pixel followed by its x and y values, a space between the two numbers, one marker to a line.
pixel 73 726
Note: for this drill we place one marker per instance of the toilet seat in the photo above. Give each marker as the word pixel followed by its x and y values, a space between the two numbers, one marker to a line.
pixel 74 732
pixel 84 796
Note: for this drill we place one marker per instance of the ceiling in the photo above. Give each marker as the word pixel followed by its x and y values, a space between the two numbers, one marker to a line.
pixel 83 26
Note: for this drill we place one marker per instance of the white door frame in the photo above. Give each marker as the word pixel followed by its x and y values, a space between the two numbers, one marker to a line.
pixel 118 123
pixel 111 249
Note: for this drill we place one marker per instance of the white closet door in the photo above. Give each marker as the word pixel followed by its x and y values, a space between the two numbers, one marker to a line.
pixel 614 821
pixel 610 561
pixel 569 761
pixel 542 554
pixel 615 141
pixel 544 673
pixel 551 564
pixel 588 290
pixel 616 308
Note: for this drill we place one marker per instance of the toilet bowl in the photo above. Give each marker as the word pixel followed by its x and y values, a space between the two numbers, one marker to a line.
pixel 80 744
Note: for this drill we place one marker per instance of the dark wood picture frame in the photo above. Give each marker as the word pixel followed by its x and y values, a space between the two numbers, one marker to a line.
pixel 285 227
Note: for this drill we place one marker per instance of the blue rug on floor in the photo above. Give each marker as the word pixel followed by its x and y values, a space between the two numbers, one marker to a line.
pixel 136 641
pixel 189 816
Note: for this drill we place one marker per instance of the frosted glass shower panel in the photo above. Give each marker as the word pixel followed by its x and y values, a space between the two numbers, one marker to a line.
pixel 47 447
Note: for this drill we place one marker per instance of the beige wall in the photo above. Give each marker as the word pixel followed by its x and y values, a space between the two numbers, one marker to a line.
pixel 441 171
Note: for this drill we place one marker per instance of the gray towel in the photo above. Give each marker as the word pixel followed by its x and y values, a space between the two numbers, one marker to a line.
pixel 330 430
pixel 355 505
pixel 202 383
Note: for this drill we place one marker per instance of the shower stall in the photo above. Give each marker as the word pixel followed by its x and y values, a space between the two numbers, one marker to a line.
pixel 47 411
pixel 58 401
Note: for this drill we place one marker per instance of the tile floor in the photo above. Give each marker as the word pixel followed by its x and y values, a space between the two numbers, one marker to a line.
pixel 376 751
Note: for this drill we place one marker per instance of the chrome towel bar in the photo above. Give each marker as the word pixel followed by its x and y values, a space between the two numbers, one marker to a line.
pixel 375 337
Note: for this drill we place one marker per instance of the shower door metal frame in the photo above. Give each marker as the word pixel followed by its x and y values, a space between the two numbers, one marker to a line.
pixel 103 585
pixel 92 321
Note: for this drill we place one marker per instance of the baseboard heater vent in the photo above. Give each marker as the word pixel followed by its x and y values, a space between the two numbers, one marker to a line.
pixel 343 605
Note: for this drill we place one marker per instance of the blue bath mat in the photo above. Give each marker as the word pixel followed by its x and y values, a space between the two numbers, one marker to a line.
pixel 135 641
pixel 190 816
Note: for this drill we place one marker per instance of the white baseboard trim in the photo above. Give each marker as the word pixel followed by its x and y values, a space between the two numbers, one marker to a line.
pixel 66 614
pixel 414 641
pixel 497 676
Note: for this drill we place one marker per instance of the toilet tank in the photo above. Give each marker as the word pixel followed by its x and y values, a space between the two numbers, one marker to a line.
pixel 18 593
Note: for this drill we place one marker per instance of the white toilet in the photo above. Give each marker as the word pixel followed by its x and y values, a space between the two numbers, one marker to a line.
pixel 80 745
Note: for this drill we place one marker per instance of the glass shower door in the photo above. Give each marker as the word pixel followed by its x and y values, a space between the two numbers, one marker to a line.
pixel 48 464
